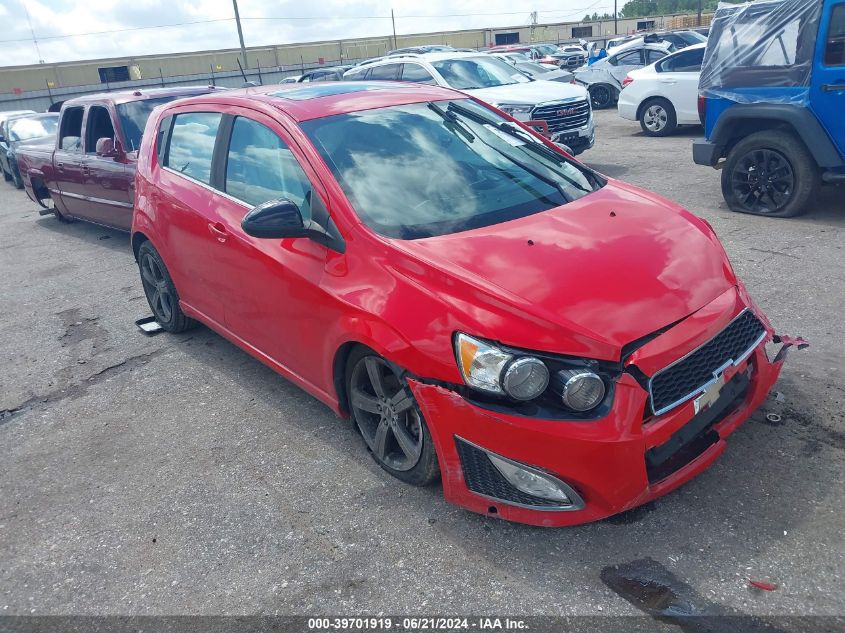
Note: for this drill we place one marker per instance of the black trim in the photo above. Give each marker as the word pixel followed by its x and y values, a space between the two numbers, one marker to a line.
pixel 800 119
pixel 705 152
pixel 221 152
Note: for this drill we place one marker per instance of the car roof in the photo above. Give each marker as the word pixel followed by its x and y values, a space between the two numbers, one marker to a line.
pixel 423 57
pixel 141 94
pixel 303 102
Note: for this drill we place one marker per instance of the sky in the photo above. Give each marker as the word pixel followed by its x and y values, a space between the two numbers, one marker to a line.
pixel 69 30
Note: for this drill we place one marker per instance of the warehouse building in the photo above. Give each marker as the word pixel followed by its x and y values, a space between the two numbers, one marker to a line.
pixel 38 86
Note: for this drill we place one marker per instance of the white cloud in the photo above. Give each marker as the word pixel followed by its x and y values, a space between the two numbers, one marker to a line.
pixel 334 19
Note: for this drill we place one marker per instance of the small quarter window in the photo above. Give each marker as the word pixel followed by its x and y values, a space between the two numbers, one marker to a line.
pixel 192 144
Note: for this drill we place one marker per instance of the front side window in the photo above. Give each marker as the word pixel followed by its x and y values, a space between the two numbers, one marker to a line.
pixel 99 126
pixel 192 144
pixel 426 169
pixel 467 73
pixel 834 52
pixel 260 167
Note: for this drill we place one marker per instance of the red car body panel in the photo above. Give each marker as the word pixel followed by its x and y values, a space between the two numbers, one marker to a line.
pixel 600 272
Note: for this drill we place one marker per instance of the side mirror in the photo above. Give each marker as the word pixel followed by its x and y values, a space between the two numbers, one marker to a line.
pixel 275 219
pixel 107 148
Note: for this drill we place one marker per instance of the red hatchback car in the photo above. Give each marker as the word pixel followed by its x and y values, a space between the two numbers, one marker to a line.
pixel 556 345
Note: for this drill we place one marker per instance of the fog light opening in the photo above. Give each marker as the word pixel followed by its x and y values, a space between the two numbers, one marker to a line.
pixel 492 510
pixel 536 483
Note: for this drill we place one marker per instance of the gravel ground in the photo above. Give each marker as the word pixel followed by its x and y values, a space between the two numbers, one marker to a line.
pixel 177 475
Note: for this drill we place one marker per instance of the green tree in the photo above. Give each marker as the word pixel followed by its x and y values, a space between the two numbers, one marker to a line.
pixel 640 8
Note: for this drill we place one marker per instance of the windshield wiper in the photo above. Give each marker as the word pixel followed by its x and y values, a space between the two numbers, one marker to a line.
pixel 452 122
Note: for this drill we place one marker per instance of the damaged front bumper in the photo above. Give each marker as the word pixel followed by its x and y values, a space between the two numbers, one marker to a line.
pixel 615 463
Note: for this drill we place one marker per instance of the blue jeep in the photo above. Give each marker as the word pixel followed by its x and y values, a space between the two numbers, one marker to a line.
pixel 772 101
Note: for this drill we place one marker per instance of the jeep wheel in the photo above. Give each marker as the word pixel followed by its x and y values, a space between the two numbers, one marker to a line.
pixel 601 95
pixel 770 173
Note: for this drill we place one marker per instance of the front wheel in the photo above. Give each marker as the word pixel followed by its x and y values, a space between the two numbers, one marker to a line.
pixel 6 176
pixel 389 419
pixel 601 96
pixel 770 173
pixel 16 177
pixel 160 291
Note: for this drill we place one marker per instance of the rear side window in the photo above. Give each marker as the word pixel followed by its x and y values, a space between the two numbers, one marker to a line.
pixel 417 74
pixel 834 52
pixel 653 56
pixel 192 144
pixel 70 137
pixel 388 72
pixel 261 167
pixel 686 62
pixel 631 58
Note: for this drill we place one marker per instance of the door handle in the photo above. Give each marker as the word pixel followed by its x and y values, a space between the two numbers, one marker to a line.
pixel 218 230
pixel 833 88
pixel 60 166
pixel 668 81
pixel 86 170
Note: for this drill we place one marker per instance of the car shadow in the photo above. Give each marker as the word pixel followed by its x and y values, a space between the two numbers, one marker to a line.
pixel 86 232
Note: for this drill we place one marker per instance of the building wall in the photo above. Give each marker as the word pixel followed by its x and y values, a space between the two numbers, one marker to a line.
pixel 18 80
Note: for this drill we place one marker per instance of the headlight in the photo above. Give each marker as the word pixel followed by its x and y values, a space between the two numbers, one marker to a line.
pixel 488 368
pixel 520 112
pixel 580 389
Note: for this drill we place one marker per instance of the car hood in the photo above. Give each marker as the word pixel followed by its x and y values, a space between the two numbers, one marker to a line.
pixel 612 267
pixel 529 93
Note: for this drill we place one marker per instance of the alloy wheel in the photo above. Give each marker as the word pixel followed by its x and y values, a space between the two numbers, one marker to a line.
pixel 157 288
pixel 600 96
pixel 386 414
pixel 763 181
pixel 655 118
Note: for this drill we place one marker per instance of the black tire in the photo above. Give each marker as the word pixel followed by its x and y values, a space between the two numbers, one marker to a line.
pixel 160 291
pixel 61 217
pixel 770 173
pixel 6 175
pixel 385 412
pixel 658 117
pixel 601 96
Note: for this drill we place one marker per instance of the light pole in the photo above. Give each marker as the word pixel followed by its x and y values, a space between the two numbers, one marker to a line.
pixel 240 33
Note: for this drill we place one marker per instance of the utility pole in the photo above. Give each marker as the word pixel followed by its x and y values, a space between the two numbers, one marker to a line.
pixel 698 23
pixel 616 18
pixel 240 33
pixel 393 21
pixel 32 31
pixel 533 24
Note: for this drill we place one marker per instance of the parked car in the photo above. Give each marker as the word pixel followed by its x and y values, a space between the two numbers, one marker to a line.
pixel 773 104
pixel 419 50
pixel 618 41
pixel 335 73
pixel 13 113
pixel 521 58
pixel 680 39
pixel 536 52
pixel 556 345
pixel 570 56
pixel 603 78
pixel 25 128
pixel 290 80
pixel 534 70
pixel 89 172
pixel 664 95
pixel 563 107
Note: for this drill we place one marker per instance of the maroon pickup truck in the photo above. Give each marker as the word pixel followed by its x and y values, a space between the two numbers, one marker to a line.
pixel 90 173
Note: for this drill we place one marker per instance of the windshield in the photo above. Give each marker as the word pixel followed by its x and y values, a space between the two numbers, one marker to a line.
pixel 468 73
pixel 133 117
pixel 426 169
pixel 546 49
pixel 28 129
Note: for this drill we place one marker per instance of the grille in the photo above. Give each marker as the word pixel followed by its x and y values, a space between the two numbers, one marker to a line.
pixel 482 477
pixel 577 113
pixel 682 380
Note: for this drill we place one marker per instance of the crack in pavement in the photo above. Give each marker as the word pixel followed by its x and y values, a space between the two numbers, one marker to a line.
pixel 79 389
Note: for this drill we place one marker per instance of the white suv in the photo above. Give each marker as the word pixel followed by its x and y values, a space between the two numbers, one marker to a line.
pixel 564 107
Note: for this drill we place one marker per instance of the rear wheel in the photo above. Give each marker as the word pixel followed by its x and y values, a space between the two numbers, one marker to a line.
pixel 601 96
pixel 658 118
pixel 16 177
pixel 389 419
pixel 6 175
pixel 770 173
pixel 160 291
